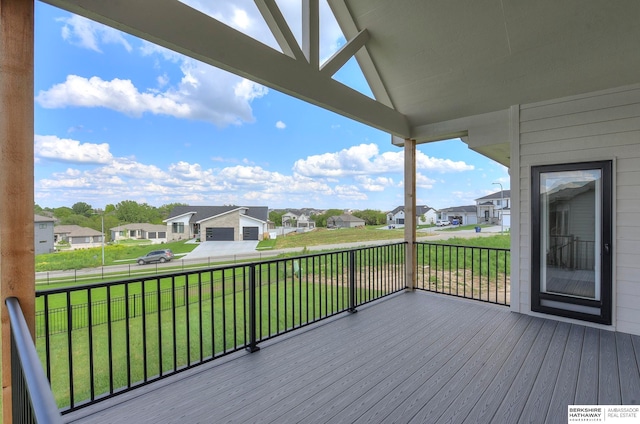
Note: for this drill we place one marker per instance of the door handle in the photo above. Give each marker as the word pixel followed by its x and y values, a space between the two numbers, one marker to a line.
pixel 607 248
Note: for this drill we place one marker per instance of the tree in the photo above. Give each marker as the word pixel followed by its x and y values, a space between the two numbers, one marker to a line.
pixel 165 210
pixel 276 217
pixel 131 211
pixel 82 208
pixel 62 212
pixel 371 217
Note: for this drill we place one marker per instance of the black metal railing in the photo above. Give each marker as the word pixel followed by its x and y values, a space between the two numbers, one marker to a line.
pixel 31 397
pixel 99 340
pixel 570 252
pixel 480 273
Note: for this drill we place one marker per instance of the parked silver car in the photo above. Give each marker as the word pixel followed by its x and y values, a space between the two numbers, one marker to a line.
pixel 161 256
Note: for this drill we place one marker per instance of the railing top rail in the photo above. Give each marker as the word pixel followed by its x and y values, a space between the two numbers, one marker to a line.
pixel 43 403
pixel 154 277
pixel 433 243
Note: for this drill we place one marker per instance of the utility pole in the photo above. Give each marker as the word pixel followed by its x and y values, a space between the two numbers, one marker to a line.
pixel 501 207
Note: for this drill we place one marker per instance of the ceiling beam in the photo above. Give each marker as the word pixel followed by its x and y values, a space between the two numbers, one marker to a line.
pixel 280 29
pixel 178 27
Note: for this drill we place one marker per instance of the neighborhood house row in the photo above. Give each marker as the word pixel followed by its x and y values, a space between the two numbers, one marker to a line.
pixel 233 223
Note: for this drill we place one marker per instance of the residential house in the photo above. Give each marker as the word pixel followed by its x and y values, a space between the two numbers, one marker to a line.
pixel 296 218
pixel 345 221
pixel 424 215
pixel 43 234
pixel 155 233
pixel 217 223
pixel 494 208
pixel 466 215
pixel 77 237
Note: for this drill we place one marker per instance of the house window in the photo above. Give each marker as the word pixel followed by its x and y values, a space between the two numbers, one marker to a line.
pixel 152 234
pixel 43 226
pixel 162 234
pixel 178 227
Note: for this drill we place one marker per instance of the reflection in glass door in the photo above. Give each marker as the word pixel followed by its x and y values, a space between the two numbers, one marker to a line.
pixel 572 240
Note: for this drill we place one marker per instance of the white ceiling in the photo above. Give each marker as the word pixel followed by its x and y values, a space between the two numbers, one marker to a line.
pixel 429 62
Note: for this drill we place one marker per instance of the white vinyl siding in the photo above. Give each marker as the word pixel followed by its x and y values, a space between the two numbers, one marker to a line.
pixel 589 127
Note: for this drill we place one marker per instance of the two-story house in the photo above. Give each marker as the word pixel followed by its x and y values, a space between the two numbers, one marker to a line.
pixel 295 218
pixel 43 234
pixel 495 208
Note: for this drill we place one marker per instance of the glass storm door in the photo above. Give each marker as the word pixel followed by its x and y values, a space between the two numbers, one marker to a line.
pixel 571 243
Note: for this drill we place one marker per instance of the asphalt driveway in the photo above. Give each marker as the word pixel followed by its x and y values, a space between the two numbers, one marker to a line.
pixel 211 249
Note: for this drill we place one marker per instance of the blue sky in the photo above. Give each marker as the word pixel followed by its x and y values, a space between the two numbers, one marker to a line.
pixel 118 118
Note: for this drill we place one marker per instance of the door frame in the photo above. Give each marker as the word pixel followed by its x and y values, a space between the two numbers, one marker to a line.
pixel 568 306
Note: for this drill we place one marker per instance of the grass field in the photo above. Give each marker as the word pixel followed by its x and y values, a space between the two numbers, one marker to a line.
pixel 322 236
pixel 114 254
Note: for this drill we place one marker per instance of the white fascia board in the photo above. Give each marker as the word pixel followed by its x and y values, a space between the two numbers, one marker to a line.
pixel 480 130
pixel 180 28
pixel 253 219
pixel 173 218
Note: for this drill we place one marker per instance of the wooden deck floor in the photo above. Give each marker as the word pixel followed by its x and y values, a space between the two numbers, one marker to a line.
pixel 412 358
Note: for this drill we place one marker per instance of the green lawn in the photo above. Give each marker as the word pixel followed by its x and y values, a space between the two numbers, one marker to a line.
pixel 114 254
pixel 321 236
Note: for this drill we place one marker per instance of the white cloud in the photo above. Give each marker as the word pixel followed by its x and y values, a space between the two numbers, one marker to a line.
pixel 374 184
pixel 281 125
pixel 203 93
pixel 350 192
pixel 68 150
pixel 365 159
pixel 119 95
pixel 89 34
pixel 424 182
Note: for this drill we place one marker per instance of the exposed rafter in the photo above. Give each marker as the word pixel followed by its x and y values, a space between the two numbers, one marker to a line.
pixel 350 31
pixel 183 29
pixel 280 29
pixel 347 51
pixel 311 32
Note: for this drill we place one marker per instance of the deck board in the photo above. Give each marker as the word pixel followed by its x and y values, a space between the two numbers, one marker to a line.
pixel 414 357
pixel 628 369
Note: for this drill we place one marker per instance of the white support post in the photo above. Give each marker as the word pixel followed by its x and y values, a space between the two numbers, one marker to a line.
pixel 410 212
pixel 311 32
